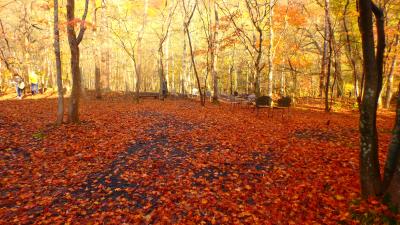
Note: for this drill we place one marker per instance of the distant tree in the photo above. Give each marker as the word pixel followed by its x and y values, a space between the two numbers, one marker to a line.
pixel 162 37
pixel 60 102
pixel 189 10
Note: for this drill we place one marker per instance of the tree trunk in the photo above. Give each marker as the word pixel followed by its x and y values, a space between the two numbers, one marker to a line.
pixel 214 55
pixel 282 88
pixel 270 48
pixel 73 40
pixel 370 177
pixel 73 115
pixel 325 53
pixel 258 66
pixel 138 62
pixel 105 51
pixel 194 67
pixel 391 181
pixel 183 73
pixel 60 101
pixel 329 37
pixel 390 74
pixel 389 84
pixel 97 84
pixel 328 74
pixel 350 54
pixel 338 68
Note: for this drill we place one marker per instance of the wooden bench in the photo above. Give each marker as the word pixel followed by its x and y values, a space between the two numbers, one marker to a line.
pixel 154 95
pixel 283 104
pixel 263 102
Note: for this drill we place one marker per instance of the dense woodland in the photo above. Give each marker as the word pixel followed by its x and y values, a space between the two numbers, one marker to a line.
pixel 270 48
pixel 331 51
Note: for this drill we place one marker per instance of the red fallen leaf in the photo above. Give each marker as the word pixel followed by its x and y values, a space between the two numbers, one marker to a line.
pixel 248 169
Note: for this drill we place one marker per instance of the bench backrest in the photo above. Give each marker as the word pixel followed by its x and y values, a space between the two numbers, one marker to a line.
pixel 264 101
pixel 285 101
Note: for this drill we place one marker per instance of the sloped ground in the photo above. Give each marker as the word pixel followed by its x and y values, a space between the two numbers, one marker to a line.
pixel 174 162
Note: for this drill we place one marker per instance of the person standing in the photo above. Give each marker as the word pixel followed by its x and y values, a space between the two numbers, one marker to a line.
pixel 19 85
pixel 33 79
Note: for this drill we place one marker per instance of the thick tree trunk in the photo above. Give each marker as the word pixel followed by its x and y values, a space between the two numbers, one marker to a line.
pixel 60 101
pixel 391 181
pixel 73 113
pixel 370 177
pixel 73 40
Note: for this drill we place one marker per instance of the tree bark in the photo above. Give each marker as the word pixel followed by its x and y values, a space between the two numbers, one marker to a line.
pixel 74 41
pixel 60 101
pixel 324 53
pixel 390 74
pixel 97 83
pixel 350 55
pixel 184 63
pixel 338 67
pixel 370 177
pixel 391 180
pixel 214 55
pixel 328 73
pixel 270 49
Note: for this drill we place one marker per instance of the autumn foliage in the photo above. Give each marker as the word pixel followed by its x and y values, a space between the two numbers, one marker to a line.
pixel 175 162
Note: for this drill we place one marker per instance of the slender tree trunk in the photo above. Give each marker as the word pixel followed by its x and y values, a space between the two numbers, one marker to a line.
pixel 338 68
pixel 214 55
pixel 350 54
pixel 283 79
pixel 258 66
pixel 389 83
pixel 325 50
pixel 97 84
pixel 328 75
pixel 138 62
pixel 104 51
pixel 60 101
pixel 270 49
pixel 161 73
pixel 184 63
pixel 330 39
pixel 167 75
pixel 194 67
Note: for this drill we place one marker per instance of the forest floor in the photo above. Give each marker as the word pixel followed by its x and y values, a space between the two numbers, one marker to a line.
pixel 175 162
